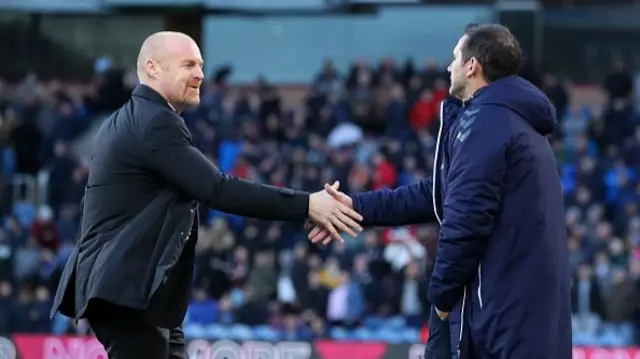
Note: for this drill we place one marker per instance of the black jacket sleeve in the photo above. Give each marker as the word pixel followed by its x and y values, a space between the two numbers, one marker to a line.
pixel 171 153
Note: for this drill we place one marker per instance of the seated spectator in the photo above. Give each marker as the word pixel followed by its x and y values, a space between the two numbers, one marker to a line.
pixel 45 230
pixel 202 309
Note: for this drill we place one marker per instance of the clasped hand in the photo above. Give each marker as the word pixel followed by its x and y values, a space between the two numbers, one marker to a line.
pixel 332 212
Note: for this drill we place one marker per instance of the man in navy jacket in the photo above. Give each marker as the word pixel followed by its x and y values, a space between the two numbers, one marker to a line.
pixel 501 274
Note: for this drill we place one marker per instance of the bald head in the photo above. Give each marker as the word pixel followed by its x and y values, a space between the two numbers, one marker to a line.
pixel 160 45
pixel 170 63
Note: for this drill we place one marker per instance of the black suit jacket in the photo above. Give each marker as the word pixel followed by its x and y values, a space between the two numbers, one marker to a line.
pixel 139 223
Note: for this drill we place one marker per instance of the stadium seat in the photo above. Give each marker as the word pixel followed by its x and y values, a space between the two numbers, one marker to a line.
pixel 192 331
pixel 388 335
pixel 373 322
pixel 216 331
pixel 396 322
pixel 339 333
pixel 409 335
pixel 241 332
pixel 265 332
pixel 364 334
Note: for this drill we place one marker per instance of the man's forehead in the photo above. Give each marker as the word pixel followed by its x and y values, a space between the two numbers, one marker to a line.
pixel 459 45
pixel 185 50
pixel 185 47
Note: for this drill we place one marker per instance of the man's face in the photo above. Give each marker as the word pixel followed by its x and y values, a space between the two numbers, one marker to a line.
pixel 181 74
pixel 457 71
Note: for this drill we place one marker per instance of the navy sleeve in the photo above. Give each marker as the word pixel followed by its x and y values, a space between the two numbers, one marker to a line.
pixel 408 204
pixel 471 201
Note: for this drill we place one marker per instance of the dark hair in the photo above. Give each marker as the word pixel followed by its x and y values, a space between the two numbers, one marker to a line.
pixel 495 48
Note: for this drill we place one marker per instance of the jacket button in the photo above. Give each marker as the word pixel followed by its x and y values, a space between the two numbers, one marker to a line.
pixel 181 234
pixel 192 210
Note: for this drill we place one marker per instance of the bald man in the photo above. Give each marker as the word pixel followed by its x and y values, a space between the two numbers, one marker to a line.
pixel 131 270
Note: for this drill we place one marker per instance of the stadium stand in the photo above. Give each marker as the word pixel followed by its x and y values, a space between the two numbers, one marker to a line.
pixel 369 127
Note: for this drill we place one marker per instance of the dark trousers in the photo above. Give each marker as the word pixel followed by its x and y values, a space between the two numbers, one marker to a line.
pixel 439 342
pixel 126 335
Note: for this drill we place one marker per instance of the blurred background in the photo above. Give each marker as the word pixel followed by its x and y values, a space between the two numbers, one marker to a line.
pixel 298 93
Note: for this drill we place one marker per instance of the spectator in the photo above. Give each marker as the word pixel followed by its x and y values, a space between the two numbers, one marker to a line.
pixel 45 231
pixel 202 309
pixel 6 258
pixel 623 300
pixel 263 278
pixel 314 296
pixel 27 259
pixel 346 302
pixel 618 82
pixel 412 302
pixel 424 111
pixel 586 297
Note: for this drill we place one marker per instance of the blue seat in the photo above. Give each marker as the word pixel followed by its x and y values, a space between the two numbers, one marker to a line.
pixel 241 332
pixel 60 324
pixel 388 335
pixel 373 322
pixel 267 333
pixel 363 334
pixel 339 333
pixel 217 331
pixel 585 338
pixel 409 335
pixel 610 338
pixel 396 322
pixel 194 331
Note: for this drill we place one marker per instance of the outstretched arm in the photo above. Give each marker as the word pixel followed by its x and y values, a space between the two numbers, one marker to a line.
pixel 403 205
pixel 172 156
pixel 386 207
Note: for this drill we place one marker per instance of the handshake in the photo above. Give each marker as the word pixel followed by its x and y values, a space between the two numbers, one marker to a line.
pixel 331 213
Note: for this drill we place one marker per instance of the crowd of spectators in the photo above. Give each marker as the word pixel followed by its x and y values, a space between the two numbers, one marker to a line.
pixel 371 127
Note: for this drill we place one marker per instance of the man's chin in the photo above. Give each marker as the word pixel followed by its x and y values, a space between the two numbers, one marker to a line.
pixel 455 93
pixel 192 102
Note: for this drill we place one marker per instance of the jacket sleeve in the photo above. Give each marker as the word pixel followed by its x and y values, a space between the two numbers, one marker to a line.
pixel 407 204
pixel 472 199
pixel 171 154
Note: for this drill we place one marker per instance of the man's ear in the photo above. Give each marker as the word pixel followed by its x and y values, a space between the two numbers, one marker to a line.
pixel 151 68
pixel 473 67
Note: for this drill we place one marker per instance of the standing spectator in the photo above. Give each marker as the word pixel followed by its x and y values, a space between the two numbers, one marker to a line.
pixel 346 302
pixel 623 299
pixel 6 258
pixel 7 307
pixel 412 302
pixel 315 296
pixel 27 140
pixel 618 82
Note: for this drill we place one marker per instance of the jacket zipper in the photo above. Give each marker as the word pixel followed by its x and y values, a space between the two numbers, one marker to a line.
pixel 480 285
pixel 435 210
pixel 434 177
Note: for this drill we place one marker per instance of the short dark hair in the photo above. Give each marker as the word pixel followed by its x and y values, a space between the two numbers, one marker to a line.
pixel 495 48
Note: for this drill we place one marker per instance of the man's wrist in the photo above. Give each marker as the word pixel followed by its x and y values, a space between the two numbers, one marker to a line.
pixel 355 202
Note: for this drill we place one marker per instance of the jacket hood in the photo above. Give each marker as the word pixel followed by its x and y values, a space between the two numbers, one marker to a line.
pixel 521 97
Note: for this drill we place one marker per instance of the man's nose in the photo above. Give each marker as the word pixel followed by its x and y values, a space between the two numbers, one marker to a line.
pixel 199 74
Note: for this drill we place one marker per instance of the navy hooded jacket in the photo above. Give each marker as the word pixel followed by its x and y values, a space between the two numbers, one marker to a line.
pixel 502 257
